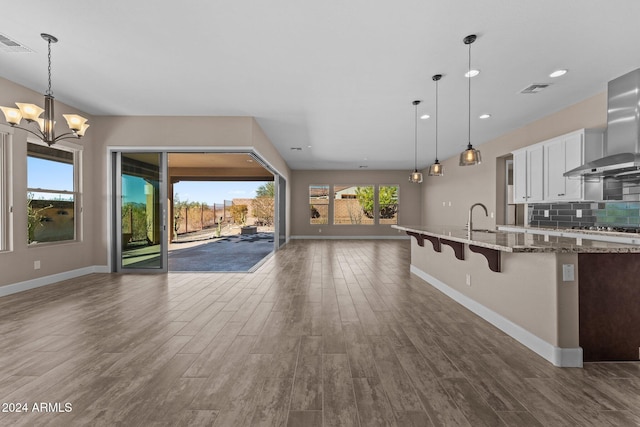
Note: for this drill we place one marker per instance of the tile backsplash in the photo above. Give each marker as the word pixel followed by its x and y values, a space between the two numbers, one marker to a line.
pixel 565 215
pixel 621 190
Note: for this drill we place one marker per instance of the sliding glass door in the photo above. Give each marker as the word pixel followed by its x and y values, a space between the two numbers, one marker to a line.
pixel 140 211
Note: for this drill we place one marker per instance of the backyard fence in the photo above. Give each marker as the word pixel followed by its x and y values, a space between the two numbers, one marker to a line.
pixel 202 216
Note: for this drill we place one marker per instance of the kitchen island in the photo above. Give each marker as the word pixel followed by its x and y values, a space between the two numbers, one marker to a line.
pixel 534 293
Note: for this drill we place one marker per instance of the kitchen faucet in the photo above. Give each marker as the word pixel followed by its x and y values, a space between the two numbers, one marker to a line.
pixel 470 223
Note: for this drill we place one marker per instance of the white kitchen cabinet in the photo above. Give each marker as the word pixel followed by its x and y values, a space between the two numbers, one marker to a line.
pixel 528 175
pixel 567 152
pixel 560 155
pixel 538 170
pixel 535 174
pixel 520 176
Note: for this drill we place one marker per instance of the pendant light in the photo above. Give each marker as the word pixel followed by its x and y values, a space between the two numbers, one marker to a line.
pixel 470 156
pixel 31 113
pixel 415 175
pixel 436 169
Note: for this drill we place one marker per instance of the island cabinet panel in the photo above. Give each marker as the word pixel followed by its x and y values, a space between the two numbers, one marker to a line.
pixel 609 306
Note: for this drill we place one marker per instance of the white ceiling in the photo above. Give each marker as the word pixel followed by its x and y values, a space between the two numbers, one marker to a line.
pixel 338 76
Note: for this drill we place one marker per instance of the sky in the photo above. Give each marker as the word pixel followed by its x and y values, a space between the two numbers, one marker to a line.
pixel 195 191
pixel 49 175
pixel 215 192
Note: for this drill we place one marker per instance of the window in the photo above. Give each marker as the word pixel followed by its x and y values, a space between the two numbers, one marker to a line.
pixel 353 205
pixel 52 193
pixel 319 204
pixel 388 204
pixel 5 185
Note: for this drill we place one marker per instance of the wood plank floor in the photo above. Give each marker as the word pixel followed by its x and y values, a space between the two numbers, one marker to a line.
pixel 325 333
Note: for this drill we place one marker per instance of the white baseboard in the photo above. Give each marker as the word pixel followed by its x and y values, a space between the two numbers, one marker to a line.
pixel 325 237
pixel 48 280
pixel 563 357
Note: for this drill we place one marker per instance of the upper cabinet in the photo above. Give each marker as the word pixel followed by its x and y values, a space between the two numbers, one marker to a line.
pixel 528 177
pixel 539 169
pixel 560 155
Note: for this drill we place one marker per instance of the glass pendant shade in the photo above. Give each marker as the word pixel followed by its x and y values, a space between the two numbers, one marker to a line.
pixel 12 115
pixel 41 124
pixel 83 129
pixel 29 112
pixel 75 121
pixel 415 177
pixel 436 169
pixel 470 156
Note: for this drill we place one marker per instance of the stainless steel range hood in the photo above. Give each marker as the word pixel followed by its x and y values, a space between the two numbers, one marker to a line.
pixel 622 148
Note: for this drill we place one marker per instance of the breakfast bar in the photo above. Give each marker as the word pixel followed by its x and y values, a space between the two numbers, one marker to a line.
pixel 542 289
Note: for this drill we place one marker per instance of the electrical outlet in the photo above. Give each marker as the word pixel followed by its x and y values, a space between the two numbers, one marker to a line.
pixel 468 279
pixel 578 213
pixel 319 230
pixel 444 204
pixel 546 213
pixel 36 265
pixel 491 215
pixel 449 203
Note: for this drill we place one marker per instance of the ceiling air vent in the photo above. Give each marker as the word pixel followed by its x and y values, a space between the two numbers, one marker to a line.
pixel 8 45
pixel 535 88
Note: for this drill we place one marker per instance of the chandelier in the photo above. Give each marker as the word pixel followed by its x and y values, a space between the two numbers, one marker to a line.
pixel 31 113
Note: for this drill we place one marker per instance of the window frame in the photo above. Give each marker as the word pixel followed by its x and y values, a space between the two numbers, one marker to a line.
pixel 76 150
pixel 379 205
pixel 369 221
pixel 328 187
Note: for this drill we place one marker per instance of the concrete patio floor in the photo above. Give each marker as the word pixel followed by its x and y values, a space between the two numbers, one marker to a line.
pixel 236 253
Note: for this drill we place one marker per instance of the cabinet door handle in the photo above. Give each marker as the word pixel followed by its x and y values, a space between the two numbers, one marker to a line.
pixel 560 194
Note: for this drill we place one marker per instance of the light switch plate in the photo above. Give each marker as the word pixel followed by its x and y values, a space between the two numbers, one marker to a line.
pixel 578 213
pixel 546 213
pixel 568 273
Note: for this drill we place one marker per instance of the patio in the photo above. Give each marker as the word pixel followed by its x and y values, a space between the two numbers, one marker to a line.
pixel 233 253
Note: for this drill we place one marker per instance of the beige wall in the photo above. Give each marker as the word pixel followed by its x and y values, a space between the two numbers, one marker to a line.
pixel 409 201
pixel 17 265
pixel 463 186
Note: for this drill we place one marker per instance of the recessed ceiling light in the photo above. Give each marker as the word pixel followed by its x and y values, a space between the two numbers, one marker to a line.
pixel 484 116
pixel 425 116
pixel 558 73
pixel 472 73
